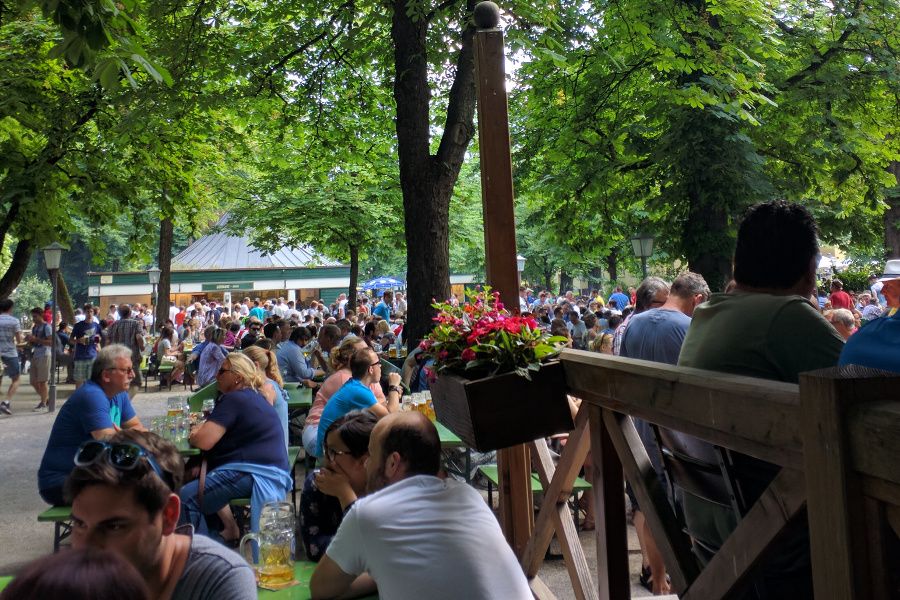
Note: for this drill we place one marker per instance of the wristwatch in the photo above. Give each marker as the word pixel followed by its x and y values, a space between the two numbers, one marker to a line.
pixel 395 388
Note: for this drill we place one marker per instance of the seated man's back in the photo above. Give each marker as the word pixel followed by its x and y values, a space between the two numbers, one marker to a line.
pixel 425 537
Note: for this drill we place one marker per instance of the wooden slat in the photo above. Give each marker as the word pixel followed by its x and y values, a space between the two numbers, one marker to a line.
pixel 874 437
pixel 609 512
pixel 554 515
pixel 835 507
pixel 879 569
pixel 514 496
pixel 671 541
pixel 885 491
pixel 540 590
pixel 557 482
pixel 756 532
pixel 752 416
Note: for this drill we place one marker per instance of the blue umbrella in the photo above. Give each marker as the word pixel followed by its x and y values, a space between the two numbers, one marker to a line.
pixel 382 283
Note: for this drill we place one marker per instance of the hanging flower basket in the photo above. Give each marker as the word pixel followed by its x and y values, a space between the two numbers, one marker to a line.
pixel 503 410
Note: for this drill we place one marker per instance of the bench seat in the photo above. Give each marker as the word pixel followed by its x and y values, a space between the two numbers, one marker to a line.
pixel 61 517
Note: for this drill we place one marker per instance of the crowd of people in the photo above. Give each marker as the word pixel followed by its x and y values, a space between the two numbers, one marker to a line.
pixel 377 514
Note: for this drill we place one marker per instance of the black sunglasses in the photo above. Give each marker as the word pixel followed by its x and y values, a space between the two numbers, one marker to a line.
pixel 122 456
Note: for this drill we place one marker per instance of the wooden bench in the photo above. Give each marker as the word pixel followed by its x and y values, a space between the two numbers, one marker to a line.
pixel 835 437
pixel 492 475
pixel 61 517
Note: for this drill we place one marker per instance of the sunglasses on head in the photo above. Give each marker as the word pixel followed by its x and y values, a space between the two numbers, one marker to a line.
pixel 123 456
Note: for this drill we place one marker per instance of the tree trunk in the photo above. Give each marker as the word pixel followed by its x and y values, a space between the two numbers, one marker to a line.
pixel 17 268
pixel 163 290
pixel 64 299
pixel 892 217
pixel 427 181
pixel 548 279
pixel 354 278
pixel 565 282
pixel 612 264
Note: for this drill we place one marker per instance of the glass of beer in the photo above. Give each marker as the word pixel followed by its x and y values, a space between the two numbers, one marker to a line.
pixel 174 408
pixel 273 559
pixel 208 405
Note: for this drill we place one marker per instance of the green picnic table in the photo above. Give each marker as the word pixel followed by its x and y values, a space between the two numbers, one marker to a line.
pixel 303 571
pixel 299 398
pixel 449 441
pixel 185 449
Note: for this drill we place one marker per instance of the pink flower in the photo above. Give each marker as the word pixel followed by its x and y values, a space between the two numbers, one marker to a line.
pixel 468 354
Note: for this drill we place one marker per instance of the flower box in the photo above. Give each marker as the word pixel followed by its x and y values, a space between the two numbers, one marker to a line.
pixel 503 410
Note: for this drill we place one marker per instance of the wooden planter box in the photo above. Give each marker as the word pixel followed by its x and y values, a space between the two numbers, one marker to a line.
pixel 503 410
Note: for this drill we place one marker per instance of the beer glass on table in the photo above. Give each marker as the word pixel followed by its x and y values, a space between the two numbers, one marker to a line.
pixel 274 560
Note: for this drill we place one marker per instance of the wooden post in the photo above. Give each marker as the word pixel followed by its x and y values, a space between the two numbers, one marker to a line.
pixel 514 464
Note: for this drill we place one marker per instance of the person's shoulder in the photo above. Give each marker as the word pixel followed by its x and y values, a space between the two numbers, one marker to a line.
pixel 213 572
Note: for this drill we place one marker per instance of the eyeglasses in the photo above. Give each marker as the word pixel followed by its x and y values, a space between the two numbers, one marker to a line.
pixel 129 370
pixel 122 456
pixel 331 453
pixel 375 364
pixel 225 371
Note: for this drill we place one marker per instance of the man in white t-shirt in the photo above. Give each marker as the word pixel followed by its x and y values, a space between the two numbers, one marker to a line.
pixel 417 536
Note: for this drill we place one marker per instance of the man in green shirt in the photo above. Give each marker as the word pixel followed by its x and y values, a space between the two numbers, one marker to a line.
pixel 767 328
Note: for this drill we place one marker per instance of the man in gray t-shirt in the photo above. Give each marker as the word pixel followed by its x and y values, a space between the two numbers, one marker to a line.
pixel 131 506
pixel 10 335
pixel 656 335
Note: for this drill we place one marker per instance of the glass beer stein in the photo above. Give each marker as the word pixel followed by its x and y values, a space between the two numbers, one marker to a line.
pixel 275 566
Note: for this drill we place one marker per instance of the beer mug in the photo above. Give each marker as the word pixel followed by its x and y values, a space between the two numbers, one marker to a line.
pixel 276 545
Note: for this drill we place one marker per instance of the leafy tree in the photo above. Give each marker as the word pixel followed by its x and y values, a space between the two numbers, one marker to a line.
pixel 31 292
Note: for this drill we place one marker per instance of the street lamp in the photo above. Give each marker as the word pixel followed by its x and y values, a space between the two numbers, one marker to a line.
pixel 52 257
pixel 153 274
pixel 642 244
pixel 520 266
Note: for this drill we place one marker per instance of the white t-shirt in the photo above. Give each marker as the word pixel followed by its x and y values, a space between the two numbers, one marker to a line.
pixel 425 537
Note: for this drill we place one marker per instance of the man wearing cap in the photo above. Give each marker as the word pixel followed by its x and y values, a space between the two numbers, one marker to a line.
pixel 876 344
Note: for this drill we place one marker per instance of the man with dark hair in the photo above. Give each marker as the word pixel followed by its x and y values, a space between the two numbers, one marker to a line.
pixel 767 328
pixel 86 340
pixel 293 363
pixel 652 293
pixel 41 339
pixel 327 339
pixel 383 308
pixel 124 495
pixel 10 337
pixel 415 535
pixel 96 410
pixel 356 394
pixel 130 333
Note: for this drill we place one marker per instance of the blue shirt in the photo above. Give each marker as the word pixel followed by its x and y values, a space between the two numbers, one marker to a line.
pixel 87 410
pixel 353 395
pixel 877 345
pixel 382 310
pixel 621 300
pixel 85 328
pixel 656 335
pixel 211 360
pixel 294 366
pixel 253 432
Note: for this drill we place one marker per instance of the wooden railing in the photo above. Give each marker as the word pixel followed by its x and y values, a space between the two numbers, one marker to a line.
pixel 836 435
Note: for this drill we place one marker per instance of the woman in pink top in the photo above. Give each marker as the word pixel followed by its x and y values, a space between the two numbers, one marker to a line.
pixel 340 363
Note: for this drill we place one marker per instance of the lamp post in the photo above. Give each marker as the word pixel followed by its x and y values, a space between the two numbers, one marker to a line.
pixel 52 257
pixel 642 244
pixel 520 266
pixel 153 274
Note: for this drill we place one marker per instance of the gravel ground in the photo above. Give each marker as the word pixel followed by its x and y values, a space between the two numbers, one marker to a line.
pixel 23 437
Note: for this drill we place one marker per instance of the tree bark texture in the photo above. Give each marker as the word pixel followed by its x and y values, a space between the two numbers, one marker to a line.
pixel 17 268
pixel 64 299
pixel 163 290
pixel 565 282
pixel 427 180
pixel 892 217
pixel 354 278
pixel 612 265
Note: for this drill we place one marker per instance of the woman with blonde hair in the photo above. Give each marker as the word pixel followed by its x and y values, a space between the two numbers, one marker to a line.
pixel 273 388
pixel 340 363
pixel 244 450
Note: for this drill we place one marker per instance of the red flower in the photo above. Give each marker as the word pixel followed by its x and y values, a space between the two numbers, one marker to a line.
pixel 468 354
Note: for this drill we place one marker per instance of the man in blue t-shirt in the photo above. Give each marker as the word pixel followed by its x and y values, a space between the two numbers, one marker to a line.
pixel 86 339
pixel 383 308
pixel 876 344
pixel 620 298
pixel 96 410
pixel 365 369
